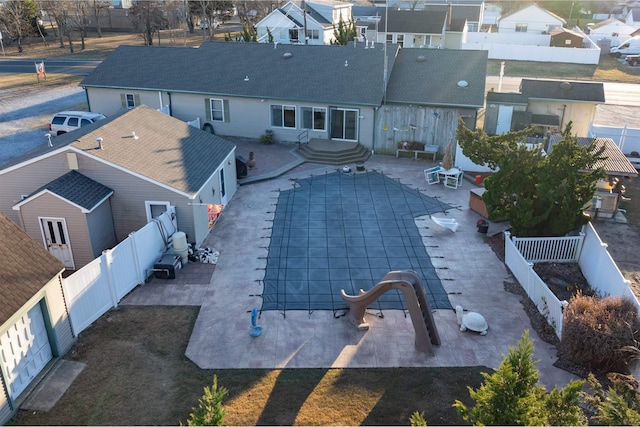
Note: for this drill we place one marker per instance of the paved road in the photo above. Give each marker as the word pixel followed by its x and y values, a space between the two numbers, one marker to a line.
pixel 80 67
pixel 615 93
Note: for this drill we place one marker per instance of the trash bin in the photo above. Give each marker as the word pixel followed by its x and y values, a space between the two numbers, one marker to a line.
pixel 241 167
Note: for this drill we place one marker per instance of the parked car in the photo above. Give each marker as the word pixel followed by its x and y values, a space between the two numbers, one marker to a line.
pixel 629 47
pixel 204 25
pixel 632 59
pixel 66 121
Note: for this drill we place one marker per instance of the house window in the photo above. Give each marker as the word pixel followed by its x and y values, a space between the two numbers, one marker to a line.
pixel 389 38
pixel 131 100
pixel 283 116
pixel 217 109
pixel 400 39
pixel 293 34
pixel 521 28
pixel 313 34
pixel 314 118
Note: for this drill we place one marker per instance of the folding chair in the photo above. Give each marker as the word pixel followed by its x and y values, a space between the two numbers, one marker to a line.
pixel 432 175
pixel 454 181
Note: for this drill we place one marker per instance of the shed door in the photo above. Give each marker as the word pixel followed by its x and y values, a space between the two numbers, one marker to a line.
pixel 505 113
pixel 56 240
pixel 25 350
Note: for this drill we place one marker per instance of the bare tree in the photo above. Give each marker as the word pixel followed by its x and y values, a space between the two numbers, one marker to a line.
pixel 79 13
pixel 251 12
pixel 18 17
pixel 210 11
pixel 98 7
pixel 148 17
pixel 55 10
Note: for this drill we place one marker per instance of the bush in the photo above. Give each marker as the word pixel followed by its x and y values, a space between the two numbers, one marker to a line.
pixel 209 411
pixel 600 334
pixel 512 396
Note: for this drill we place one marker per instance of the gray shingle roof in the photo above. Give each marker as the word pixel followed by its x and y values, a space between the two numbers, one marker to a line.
pixel 434 80
pixel 167 150
pixel 506 98
pixel 413 21
pixel 26 268
pixel 558 89
pixel 615 164
pixel 78 189
pixel 312 73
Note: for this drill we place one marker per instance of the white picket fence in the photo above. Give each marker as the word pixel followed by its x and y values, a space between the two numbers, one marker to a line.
pixel 596 264
pixel 101 284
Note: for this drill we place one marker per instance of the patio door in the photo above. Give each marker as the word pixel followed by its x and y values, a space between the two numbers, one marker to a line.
pixel 56 240
pixel 344 124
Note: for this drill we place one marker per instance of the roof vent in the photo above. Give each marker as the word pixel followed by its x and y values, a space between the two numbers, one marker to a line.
pixel 134 136
pixel 287 55
pixel 421 58
pixel 99 139
pixel 463 83
pixel 49 143
pixel 246 78
pixel 565 86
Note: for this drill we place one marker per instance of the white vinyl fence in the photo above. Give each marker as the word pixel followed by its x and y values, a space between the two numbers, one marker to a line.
pixel 530 47
pixel 587 250
pixel 626 138
pixel 101 284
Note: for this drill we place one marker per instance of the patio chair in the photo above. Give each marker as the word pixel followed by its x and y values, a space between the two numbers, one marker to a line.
pixel 454 181
pixel 432 175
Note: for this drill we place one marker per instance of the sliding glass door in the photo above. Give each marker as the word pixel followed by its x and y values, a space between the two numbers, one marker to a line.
pixel 344 124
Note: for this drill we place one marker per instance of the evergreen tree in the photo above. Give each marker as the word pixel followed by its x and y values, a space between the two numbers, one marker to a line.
pixel 540 195
pixel 209 411
pixel 511 396
pixel 345 32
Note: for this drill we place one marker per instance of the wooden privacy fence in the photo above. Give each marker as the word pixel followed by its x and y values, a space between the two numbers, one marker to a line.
pixel 101 284
pixel 591 254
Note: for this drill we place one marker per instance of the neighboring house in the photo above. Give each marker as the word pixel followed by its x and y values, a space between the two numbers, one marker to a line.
pixel 563 37
pixel 633 17
pixel 99 183
pixel 615 164
pixel 531 19
pixel 413 28
pixel 471 10
pixel 491 15
pixel 319 18
pixel 611 29
pixel 550 105
pixel 326 92
pixel 34 317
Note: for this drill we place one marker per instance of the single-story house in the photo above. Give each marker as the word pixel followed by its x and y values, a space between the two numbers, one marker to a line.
pixel 319 18
pixel 34 319
pixel 413 28
pixel 94 186
pixel 530 19
pixel 300 91
pixel 546 104
pixel 617 167
pixel 611 29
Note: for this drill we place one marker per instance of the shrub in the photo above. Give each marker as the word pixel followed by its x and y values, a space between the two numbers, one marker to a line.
pixel 512 396
pixel 600 334
pixel 619 405
pixel 209 411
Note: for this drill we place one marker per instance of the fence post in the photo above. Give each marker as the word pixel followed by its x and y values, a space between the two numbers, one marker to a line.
pixel 140 277
pixel 108 261
pixel 623 136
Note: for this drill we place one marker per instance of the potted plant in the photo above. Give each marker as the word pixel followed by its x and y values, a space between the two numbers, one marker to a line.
pixel 483 226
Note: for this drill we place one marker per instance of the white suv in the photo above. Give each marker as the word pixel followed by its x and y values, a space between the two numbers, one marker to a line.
pixel 66 121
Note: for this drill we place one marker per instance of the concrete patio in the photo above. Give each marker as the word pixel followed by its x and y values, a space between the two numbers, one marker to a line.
pixel 470 273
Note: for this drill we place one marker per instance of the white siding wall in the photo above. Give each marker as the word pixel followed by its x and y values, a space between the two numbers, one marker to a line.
pixel 537 20
pixel 51 206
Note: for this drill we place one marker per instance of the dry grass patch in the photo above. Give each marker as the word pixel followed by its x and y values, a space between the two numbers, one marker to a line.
pixel 608 69
pixel 136 374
